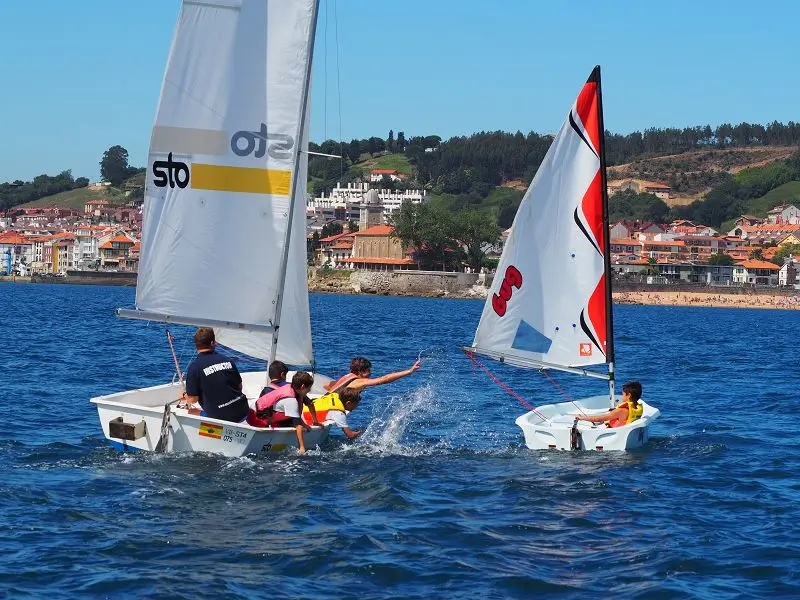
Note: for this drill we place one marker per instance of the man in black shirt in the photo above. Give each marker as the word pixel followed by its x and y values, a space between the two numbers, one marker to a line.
pixel 214 381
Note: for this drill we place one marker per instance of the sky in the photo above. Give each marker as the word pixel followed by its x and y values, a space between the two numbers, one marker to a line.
pixel 79 76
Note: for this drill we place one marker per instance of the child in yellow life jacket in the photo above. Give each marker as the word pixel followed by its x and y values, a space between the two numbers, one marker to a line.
pixel 334 406
pixel 627 411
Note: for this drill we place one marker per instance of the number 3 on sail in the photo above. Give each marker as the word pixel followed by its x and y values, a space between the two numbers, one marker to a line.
pixel 513 279
pixel 561 317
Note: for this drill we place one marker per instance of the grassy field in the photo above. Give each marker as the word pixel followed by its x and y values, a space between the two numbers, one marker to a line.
pixel 77 198
pixel 399 162
pixel 788 193
pixel 498 197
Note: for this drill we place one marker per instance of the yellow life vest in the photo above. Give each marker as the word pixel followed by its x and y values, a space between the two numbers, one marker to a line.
pixel 634 412
pixel 322 405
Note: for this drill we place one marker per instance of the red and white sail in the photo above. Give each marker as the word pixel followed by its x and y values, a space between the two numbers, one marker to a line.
pixel 548 304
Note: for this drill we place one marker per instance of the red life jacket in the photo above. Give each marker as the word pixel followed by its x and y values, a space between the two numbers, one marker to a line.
pixel 266 402
pixel 343 382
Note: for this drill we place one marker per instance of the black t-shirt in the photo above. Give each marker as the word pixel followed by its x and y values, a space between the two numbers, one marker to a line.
pixel 216 381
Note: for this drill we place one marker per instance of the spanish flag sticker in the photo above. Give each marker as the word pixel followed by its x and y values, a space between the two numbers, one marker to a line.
pixel 210 430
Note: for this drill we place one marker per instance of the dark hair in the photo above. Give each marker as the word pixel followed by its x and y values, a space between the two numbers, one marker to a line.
pixel 277 370
pixel 360 365
pixel 350 395
pixel 634 388
pixel 302 379
pixel 204 338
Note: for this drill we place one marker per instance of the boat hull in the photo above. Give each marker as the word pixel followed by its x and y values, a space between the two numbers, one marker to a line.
pixel 132 420
pixel 550 426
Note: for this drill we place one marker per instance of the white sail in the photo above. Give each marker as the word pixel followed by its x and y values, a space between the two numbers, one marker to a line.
pixel 548 305
pixel 223 156
pixel 294 342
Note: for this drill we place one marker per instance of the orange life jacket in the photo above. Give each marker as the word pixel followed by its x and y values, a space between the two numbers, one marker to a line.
pixel 634 413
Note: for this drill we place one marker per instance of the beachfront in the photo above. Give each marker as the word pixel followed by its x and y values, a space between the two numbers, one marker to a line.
pixel 712 299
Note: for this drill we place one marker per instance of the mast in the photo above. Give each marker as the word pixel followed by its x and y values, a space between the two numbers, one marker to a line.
pixel 595 76
pixel 302 132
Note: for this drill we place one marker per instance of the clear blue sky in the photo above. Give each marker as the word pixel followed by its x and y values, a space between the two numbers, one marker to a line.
pixel 79 76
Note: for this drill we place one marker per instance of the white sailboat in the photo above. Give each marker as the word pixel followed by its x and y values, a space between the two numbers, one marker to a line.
pixel 550 303
pixel 223 241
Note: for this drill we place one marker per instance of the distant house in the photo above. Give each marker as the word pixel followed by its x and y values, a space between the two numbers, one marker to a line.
pixel 788 273
pixel 619 230
pixel 375 249
pixel 638 186
pixel 791 239
pixel 377 175
pixel 784 213
pixel 757 272
pixel 748 221
pixel 94 208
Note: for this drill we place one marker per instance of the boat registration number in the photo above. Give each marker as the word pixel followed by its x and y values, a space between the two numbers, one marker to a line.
pixel 234 436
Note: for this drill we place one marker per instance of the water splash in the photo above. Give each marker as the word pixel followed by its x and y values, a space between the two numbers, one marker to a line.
pixel 400 425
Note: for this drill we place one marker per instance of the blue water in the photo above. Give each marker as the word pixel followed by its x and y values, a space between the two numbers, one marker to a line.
pixel 438 499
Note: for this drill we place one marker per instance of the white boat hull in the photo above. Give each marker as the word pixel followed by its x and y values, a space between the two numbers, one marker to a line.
pixel 142 411
pixel 549 427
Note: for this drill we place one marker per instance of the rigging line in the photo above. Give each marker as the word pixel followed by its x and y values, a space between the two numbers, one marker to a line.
pixel 325 85
pixel 560 389
pixel 525 403
pixel 338 85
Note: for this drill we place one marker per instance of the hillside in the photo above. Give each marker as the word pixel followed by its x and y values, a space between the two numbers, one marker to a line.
pixel 76 198
pixel 692 174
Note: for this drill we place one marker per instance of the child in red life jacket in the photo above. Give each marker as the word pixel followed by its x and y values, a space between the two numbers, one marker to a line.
pixel 281 407
pixel 277 376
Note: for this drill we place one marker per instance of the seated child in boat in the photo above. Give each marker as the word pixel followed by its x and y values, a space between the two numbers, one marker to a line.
pixel 281 407
pixel 627 411
pixel 334 407
pixel 277 376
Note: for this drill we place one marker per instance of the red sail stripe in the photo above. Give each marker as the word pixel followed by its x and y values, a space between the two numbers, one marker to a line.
pixel 586 106
pixel 592 209
pixel 597 312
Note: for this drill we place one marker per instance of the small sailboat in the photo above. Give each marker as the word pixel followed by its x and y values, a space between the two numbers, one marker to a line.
pixel 223 242
pixel 550 305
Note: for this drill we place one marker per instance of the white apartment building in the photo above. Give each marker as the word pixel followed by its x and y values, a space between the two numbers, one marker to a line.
pixel 344 203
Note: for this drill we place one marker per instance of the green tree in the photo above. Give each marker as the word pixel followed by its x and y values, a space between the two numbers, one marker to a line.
pixel 114 165
pixel 354 151
pixel 428 231
pixel 720 260
pixel 784 252
pixel 475 231
pixel 332 228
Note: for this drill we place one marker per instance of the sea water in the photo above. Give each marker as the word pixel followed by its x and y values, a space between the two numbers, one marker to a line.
pixel 438 498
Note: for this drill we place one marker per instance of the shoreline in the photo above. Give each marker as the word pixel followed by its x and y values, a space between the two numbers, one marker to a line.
pixel 777 299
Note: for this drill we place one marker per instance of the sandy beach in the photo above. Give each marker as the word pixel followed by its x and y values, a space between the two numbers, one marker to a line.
pixel 712 299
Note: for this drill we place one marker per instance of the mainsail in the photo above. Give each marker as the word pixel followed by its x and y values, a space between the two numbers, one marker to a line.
pixel 549 305
pixel 225 169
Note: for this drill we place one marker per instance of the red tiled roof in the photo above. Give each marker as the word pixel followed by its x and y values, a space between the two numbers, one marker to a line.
pixel 758 264
pixel 121 238
pixel 333 238
pixel 384 171
pixel 12 237
pixel 376 230
pixel 660 243
pixel 381 261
